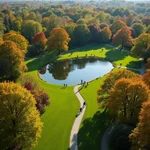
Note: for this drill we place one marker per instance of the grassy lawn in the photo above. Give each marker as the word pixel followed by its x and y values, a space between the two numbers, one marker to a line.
pixel 60 115
pixel 95 120
pixel 107 52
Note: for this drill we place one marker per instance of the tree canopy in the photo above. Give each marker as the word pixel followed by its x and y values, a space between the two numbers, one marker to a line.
pixel 19 120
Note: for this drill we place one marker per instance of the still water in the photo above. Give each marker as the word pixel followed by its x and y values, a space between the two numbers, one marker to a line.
pixel 71 72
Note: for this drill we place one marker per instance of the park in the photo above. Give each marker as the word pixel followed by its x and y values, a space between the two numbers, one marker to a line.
pixel 74 75
pixel 59 117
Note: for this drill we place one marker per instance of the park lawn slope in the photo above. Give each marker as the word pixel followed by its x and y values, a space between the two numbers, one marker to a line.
pixel 106 52
pixel 59 116
pixel 95 120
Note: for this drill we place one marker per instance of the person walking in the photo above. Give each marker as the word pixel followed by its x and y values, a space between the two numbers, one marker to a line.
pixel 84 104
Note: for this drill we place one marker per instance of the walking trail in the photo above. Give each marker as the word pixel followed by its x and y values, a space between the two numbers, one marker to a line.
pixel 76 125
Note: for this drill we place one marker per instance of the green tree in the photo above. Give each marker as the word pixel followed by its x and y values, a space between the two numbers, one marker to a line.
pixel 30 28
pixel 19 120
pixel 141 46
pixel 104 35
pixel 82 34
pixel 138 28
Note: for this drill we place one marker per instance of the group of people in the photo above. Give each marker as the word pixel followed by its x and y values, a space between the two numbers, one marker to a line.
pixel 65 85
pixel 80 110
pixel 83 82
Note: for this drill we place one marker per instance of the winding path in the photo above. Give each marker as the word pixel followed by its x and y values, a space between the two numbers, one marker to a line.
pixel 76 125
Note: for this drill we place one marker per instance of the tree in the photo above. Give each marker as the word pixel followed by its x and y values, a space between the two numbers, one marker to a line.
pixel 2 27
pixel 14 60
pixel 141 46
pixel 122 37
pixel 42 99
pixel 30 28
pixel 117 25
pixel 146 78
pixel 70 30
pixel 17 25
pixel 138 28
pixel 104 35
pixel 20 40
pixel 130 19
pixel 19 120
pixel 148 29
pixel 94 29
pixel 39 41
pixel 126 98
pixel 58 40
pixel 140 136
pixel 50 23
pixel 82 34
pixel 111 78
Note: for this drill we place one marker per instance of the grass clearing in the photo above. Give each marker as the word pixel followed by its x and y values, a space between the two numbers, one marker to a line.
pixel 59 116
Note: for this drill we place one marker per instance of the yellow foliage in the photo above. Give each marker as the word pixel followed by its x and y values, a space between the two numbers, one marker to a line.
pixel 21 123
pixel 20 40
pixel 58 40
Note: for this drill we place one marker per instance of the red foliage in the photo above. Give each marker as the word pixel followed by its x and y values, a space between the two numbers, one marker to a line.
pixel 39 38
pixel 29 86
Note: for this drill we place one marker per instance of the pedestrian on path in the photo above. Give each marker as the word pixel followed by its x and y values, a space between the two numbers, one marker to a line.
pixel 80 110
pixel 84 104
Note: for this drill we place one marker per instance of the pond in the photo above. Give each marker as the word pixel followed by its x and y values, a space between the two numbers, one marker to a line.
pixel 71 72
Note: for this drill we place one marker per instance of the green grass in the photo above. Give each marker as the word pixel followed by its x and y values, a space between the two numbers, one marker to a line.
pixel 60 115
pixel 107 52
pixel 95 120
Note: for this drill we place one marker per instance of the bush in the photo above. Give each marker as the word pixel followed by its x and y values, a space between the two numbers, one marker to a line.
pixel 119 137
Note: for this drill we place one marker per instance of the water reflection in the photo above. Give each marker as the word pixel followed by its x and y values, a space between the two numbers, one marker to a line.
pixel 73 71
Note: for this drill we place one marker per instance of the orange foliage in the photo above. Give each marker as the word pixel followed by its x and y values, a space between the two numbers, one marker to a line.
pixel 58 40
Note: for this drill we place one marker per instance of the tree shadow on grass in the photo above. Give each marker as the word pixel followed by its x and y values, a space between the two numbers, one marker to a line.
pixel 92 130
pixel 37 63
pixel 134 64
pixel 114 55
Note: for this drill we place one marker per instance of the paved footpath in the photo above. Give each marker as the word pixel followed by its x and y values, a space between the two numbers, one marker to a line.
pixel 78 119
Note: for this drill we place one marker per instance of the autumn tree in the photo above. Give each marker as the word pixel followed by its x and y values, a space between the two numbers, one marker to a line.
pixel 19 120
pixel 122 37
pixel 82 34
pixel 104 35
pixel 13 58
pixel 117 25
pixel 146 78
pixel 51 22
pixel 2 27
pixel 58 40
pixel 30 28
pixel 42 99
pixel 39 41
pixel 140 136
pixel 111 78
pixel 126 98
pixel 138 28
pixel 20 40
pixel 141 46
